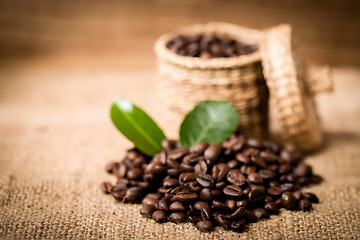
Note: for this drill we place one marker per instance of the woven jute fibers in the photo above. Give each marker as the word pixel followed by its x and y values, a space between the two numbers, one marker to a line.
pixel 56 136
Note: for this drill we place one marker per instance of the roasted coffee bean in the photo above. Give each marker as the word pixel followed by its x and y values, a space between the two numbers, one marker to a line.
pixel 220 171
pixel 268 198
pixel 149 201
pixel 120 172
pixel 187 177
pixel 177 217
pixel 156 196
pixel 186 197
pixel 168 144
pixel 219 205
pixel 106 187
pixel 271 207
pixel 290 156
pixel 158 169
pixel 192 159
pixel 302 170
pixel 206 194
pixel 177 206
pixel 206 214
pixel 288 201
pixel 269 157
pixel 233 191
pixel 186 167
pixel 267 174
pixel 305 205
pixel 162 204
pixel 247 170
pixel 298 195
pixel 256 195
pixel 287 187
pixel 255 143
pixel 139 161
pixel 241 157
pixel 134 173
pixel 134 195
pixel 199 148
pixel 232 164
pixel 201 167
pixel 241 203
pixel 216 193
pixel 170 182
pixel 159 216
pixel 258 161
pixel 285 168
pixel 173 172
pixel 223 221
pixel 230 204
pixel 238 225
pixel 250 216
pixel 147 210
pixel 220 185
pixel 240 212
pixel 255 178
pixel 111 167
pixel 172 163
pixel 205 226
pixel 235 177
pixel 260 213
pixel 273 147
pixel 178 153
pixel 311 197
pixel 205 180
pixel 119 196
pixel 163 158
pixel 212 153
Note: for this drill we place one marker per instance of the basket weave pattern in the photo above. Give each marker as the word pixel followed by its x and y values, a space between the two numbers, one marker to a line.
pixel 185 81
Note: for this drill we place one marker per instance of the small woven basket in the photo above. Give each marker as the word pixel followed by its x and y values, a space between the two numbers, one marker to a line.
pixel 185 81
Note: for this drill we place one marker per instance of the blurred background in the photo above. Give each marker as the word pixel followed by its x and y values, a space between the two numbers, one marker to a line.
pixel 121 33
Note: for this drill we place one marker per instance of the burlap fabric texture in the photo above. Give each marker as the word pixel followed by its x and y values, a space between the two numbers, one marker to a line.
pixel 56 137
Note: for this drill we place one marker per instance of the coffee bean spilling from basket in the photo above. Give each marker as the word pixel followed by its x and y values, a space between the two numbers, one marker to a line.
pixel 238 182
pixel 208 46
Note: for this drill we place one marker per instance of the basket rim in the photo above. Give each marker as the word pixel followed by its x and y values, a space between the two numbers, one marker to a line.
pixel 237 32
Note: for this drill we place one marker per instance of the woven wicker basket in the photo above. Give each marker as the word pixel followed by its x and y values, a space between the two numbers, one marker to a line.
pixel 185 81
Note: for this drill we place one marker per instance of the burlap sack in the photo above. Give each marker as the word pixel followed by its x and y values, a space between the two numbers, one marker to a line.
pixel 56 137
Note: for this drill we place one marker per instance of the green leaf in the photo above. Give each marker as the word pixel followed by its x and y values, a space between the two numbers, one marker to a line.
pixel 209 121
pixel 137 126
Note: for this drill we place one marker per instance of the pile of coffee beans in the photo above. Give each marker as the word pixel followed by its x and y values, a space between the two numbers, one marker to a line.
pixel 238 182
pixel 208 46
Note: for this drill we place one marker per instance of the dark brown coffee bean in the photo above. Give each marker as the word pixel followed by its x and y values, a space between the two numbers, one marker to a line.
pixel 267 174
pixel 177 206
pixel 158 169
pixel 139 161
pixel 241 157
pixel 250 216
pixel 162 204
pixel 256 195
pixel 205 226
pixel 106 187
pixel 212 153
pixel 223 221
pixel 120 172
pixel 230 204
pixel 255 178
pixel 247 170
pixel 173 172
pixel 192 159
pixel 199 205
pixel 186 167
pixel 235 177
pixel 287 187
pixel 149 177
pixel 134 173
pixel 187 177
pixel 302 170
pixel 177 217
pixel 178 153
pixel 268 199
pixel 232 164
pixel 260 213
pixel 273 147
pixel 111 167
pixel 290 156
pixel 147 210
pixel 238 225
pixel 298 195
pixel 205 180
pixel 119 196
pixel 220 171
pixel 239 213
pixel 288 201
pixel 285 168
pixel 201 167
pixel 233 191
pixel 168 144
pixel 220 185
pixel 269 157
pixel 170 182
pixel 241 203
pixel 206 194
pixel 258 161
pixel 219 205
pixel 271 207
pixel 311 197
pixel 159 216
pixel 255 143
pixel 186 197
pixel 133 195
pixel 199 148
pixel 172 163
pixel 149 201
pixel 305 205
